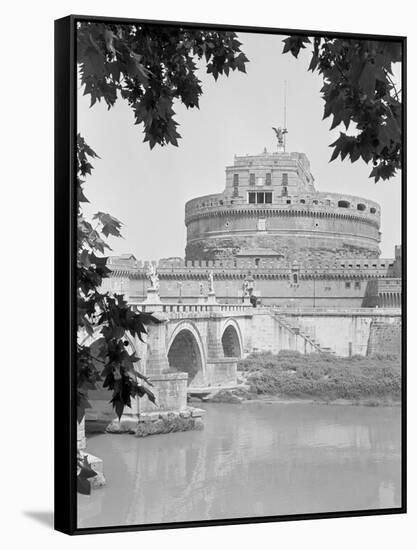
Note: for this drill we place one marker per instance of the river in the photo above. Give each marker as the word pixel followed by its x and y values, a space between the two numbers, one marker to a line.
pixel 253 459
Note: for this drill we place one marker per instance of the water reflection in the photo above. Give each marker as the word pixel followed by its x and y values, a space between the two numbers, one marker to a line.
pixel 251 460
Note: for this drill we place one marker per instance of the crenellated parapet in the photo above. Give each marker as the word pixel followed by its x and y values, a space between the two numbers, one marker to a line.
pixel 239 268
pixel 317 205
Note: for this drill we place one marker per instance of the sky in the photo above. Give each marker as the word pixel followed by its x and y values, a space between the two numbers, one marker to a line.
pixel 147 190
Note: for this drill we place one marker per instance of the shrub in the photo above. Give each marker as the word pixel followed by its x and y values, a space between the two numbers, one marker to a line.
pixel 323 376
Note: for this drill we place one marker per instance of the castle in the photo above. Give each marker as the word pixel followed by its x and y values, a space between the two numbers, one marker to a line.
pixel 271 234
pixel 270 264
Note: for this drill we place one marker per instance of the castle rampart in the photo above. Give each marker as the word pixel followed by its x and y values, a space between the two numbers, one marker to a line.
pixel 270 229
pixel 270 202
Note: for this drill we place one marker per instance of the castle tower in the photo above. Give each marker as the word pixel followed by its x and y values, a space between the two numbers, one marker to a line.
pixel 270 207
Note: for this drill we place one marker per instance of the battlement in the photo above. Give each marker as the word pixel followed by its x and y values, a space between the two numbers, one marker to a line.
pixel 304 204
pixel 343 267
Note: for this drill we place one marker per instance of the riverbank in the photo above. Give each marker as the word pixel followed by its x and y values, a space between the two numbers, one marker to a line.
pixel 291 376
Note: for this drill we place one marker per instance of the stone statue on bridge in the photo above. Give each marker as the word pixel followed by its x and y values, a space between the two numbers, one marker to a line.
pixel 211 282
pixel 153 277
pixel 245 288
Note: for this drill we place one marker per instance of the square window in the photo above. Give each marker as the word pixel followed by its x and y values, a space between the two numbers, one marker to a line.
pixel 284 179
pixel 252 198
pixel 268 179
pixel 347 285
pixel 252 179
pixel 357 284
pixel 260 198
pixel 236 179
pixel 288 201
pixel 268 198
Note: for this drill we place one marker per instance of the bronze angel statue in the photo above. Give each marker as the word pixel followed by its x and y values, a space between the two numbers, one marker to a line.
pixel 280 132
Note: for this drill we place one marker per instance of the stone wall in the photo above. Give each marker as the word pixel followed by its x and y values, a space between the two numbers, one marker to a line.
pixel 385 337
pixel 170 390
pixel 271 287
pixel 297 235
pixel 341 282
pixel 349 333
pixel 267 334
pixel 344 334
pixel 221 372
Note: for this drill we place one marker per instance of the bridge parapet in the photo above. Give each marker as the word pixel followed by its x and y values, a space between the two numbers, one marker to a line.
pixel 337 311
pixel 196 310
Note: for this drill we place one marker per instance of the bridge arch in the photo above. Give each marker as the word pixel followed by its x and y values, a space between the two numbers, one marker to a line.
pixel 185 353
pixel 232 340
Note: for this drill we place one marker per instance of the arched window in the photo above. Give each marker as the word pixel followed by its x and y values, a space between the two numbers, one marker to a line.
pixel 295 278
pixel 257 260
pixel 361 207
pixel 343 204
pixel 372 210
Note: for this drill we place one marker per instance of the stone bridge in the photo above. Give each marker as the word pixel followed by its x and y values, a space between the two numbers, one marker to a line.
pixel 196 347
pixel 200 343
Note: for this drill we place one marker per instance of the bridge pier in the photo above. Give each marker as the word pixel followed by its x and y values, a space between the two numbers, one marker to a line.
pixel 170 412
pixel 220 370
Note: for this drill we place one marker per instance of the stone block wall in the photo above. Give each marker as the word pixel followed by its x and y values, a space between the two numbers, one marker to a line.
pixel 385 337
pixel 221 372
pixel 345 334
pixel 170 390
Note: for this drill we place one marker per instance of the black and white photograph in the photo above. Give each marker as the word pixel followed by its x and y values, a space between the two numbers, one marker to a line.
pixel 239 264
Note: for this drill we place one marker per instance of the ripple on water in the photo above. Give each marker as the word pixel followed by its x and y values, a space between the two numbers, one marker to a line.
pixel 251 460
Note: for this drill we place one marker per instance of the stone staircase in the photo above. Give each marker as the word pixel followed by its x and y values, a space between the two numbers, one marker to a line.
pixel 295 328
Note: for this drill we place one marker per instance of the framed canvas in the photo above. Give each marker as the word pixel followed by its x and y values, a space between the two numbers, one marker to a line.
pixel 230 305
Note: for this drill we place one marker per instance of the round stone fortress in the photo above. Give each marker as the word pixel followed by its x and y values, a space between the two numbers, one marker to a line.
pixel 270 208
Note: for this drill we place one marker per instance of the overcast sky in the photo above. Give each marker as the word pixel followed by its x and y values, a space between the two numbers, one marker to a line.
pixel 147 190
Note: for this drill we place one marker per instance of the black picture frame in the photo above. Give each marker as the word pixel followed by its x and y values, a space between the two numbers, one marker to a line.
pixel 65 280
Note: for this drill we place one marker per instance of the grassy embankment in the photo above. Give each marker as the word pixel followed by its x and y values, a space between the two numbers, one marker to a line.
pixel 322 377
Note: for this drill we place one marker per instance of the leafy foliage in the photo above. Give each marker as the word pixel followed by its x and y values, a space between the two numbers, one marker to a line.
pixel 151 66
pixel 358 88
pixel 109 318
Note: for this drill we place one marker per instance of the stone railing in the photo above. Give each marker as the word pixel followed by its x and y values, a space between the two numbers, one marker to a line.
pixel 195 309
pixel 361 311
